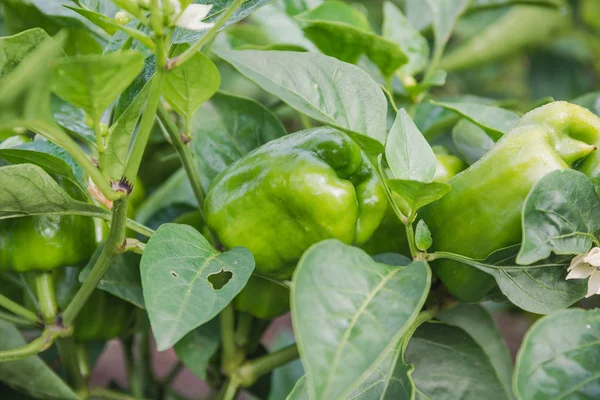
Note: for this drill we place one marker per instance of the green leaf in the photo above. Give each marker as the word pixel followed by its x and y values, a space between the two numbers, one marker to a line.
pixel 98 19
pixel 72 119
pixel 175 190
pixel 190 85
pixel 122 279
pixel 322 87
pixel 481 4
pixel 93 82
pixel 30 374
pixel 227 128
pixel 13 49
pixel 389 381
pixel 219 7
pixel 539 288
pixel 300 391
pixel 114 158
pixel 25 90
pixel 475 320
pixel 559 357
pixel 398 29
pixel 495 120
pixel 55 13
pixel 444 15
pixel 423 239
pixel 197 347
pixel 280 27
pixel 449 364
pixel 471 141
pixel 416 194
pixel 345 327
pixel 561 215
pixel 50 157
pixel 26 189
pixel 433 120
pixel 341 31
pixel 176 270
pixel 407 153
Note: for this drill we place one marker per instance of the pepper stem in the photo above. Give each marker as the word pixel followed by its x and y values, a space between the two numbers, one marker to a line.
pixel 44 287
pixel 18 309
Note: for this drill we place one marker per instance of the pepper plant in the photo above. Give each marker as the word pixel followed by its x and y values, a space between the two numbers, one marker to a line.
pixel 179 174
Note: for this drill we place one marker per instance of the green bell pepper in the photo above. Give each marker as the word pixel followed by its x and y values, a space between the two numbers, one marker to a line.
pixel 263 298
pixel 482 212
pixel 46 242
pixel 293 192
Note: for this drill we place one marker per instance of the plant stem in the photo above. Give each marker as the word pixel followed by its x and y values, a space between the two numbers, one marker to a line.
pixel 16 320
pixel 423 317
pixel 31 349
pixel 135 386
pixel 67 352
pixel 173 373
pixel 18 309
pixel 410 236
pixel 228 345
pixel 249 373
pixel 230 389
pixel 147 121
pixel 187 160
pixel 185 155
pixel 61 138
pixel 113 246
pixel 208 36
pixel 244 326
pixel 44 288
pixel 139 228
pixel 110 395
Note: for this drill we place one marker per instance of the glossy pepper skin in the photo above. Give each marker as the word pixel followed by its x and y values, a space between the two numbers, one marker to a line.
pixel 390 236
pixel 46 242
pixel 263 298
pixel 482 212
pixel 292 192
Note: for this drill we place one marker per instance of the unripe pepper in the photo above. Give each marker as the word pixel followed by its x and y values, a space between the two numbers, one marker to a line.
pixel 263 298
pixel 46 242
pixel 390 236
pixel 482 212
pixel 293 192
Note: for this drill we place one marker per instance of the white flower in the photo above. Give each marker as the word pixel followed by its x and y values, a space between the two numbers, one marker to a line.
pixel 191 18
pixel 587 265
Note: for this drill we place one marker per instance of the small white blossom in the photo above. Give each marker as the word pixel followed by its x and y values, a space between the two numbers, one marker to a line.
pixel 191 18
pixel 587 265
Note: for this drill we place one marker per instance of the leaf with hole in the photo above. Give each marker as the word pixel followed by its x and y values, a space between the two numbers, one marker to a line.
pixel 349 312
pixel 177 267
